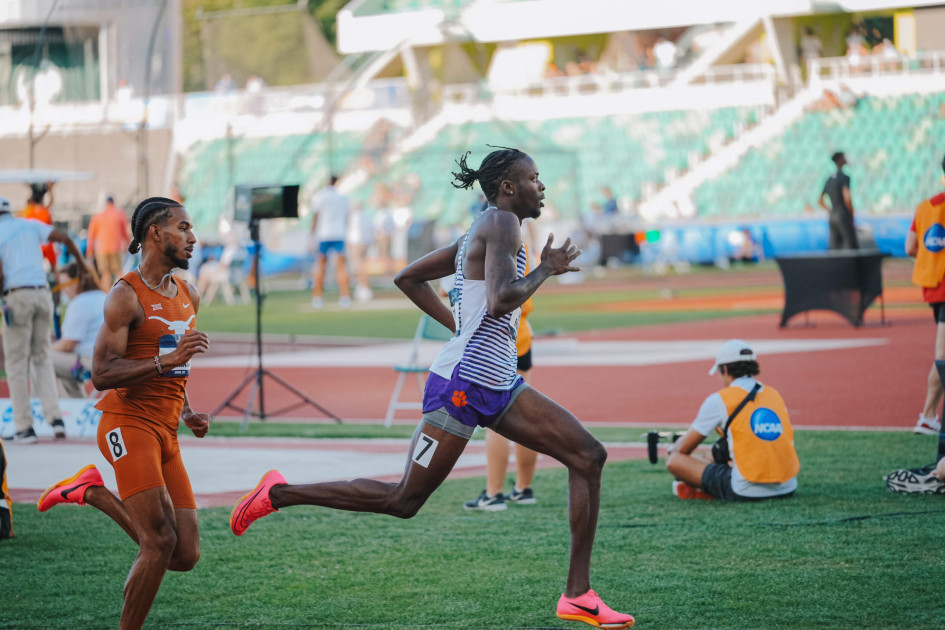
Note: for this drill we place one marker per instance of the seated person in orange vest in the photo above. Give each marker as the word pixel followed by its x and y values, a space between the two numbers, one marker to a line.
pixel 761 462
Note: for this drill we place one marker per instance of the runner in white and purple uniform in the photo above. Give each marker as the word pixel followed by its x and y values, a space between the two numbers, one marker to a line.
pixel 473 381
pixel 474 378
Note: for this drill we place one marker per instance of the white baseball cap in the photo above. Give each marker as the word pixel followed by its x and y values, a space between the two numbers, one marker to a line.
pixel 733 351
pixel 5 205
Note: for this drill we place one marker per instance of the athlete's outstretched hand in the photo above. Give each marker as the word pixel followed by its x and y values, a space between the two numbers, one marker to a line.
pixel 558 260
pixel 199 423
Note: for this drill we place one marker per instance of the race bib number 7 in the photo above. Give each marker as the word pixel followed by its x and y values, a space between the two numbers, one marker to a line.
pixel 424 449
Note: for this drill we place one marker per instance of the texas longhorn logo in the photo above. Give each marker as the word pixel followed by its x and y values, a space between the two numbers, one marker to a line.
pixel 177 327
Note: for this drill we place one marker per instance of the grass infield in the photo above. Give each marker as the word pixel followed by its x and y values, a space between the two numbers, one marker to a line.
pixel 843 553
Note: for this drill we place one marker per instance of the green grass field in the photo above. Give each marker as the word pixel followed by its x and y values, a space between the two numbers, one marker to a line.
pixel 843 553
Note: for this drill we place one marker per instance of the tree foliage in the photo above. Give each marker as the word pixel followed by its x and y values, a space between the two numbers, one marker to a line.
pixel 275 55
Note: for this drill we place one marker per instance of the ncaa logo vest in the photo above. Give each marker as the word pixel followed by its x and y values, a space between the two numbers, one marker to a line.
pixel 762 439
pixel 934 238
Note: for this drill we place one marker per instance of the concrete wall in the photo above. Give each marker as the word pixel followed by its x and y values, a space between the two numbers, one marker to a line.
pixel 113 157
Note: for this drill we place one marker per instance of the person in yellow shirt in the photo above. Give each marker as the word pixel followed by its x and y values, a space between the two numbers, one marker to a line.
pixel 761 462
pixel 925 241
pixel 498 448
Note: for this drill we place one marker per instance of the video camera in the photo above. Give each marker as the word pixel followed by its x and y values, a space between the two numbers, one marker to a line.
pixel 254 203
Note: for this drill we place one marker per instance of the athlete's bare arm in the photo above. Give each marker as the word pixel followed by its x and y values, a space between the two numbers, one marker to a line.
pixel 820 201
pixel 199 423
pixel 414 281
pixel 912 244
pixel 491 257
pixel 110 368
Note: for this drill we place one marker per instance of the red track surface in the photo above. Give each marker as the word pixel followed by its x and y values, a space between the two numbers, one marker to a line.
pixel 879 386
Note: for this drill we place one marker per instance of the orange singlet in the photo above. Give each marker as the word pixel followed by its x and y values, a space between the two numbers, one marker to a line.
pixel 138 429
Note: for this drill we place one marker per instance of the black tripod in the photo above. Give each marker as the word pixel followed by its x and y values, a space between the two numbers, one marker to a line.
pixel 256 377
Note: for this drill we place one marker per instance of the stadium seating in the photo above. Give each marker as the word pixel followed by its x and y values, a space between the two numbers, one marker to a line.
pixel 210 169
pixel 890 143
pixel 576 156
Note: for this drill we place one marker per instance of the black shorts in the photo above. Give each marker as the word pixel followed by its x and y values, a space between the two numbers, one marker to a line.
pixel 717 481
pixel 525 361
pixel 938 312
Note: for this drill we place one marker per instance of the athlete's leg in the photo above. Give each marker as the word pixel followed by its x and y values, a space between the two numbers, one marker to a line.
pixel 934 392
pixel 402 499
pixel 104 500
pixel 341 273
pixel 539 423
pixel 497 461
pixel 154 520
pixel 187 551
pixel 525 461
pixel 318 274
pixel 688 468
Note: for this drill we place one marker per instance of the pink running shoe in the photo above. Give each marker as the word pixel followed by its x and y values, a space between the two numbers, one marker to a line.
pixel 71 490
pixel 256 504
pixel 684 491
pixel 590 609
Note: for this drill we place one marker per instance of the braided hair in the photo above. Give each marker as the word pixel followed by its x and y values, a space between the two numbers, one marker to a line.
pixel 149 212
pixel 494 168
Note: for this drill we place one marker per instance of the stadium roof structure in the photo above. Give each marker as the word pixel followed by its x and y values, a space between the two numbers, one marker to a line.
pixel 375 25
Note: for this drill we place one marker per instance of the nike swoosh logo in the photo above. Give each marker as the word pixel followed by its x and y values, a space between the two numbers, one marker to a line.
pixel 593 611
pixel 241 517
pixel 67 491
pixel 187 304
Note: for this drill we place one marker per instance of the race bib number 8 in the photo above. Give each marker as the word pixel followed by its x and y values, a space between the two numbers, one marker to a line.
pixel 116 444
pixel 424 449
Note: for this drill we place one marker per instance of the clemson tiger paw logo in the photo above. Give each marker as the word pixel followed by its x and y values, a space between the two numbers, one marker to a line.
pixel 459 398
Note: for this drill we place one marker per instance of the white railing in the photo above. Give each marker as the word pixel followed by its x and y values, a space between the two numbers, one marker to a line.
pixel 883 64
pixel 602 83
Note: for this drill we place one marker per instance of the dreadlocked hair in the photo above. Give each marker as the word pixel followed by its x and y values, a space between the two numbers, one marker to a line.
pixel 492 171
pixel 150 211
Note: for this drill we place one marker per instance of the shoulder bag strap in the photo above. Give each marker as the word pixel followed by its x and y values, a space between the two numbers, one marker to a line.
pixel 741 405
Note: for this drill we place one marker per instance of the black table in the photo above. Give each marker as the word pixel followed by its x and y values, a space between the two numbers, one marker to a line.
pixel 845 282
pixel 623 247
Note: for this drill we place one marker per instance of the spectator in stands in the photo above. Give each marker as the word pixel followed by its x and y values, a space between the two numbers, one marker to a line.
pixel 811 48
pixel 383 225
pixel 837 188
pixel 665 53
pixel 108 239
pixel 356 243
pixel 925 241
pixel 225 83
pixel 27 312
pixel 760 461
pixel 856 45
pixel 610 203
pixel 72 352
pixel 330 214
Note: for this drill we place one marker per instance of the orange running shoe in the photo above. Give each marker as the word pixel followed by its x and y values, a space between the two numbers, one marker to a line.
pixel 256 504
pixel 71 490
pixel 684 491
pixel 590 609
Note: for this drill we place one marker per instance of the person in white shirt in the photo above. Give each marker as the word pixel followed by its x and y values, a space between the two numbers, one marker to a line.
pixel 27 314
pixel 330 210
pixel 72 352
pixel 760 462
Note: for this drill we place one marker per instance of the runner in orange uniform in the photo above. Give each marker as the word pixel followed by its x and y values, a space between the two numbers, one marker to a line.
pixel 143 355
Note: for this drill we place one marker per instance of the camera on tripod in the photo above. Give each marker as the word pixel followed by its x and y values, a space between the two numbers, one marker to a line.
pixel 253 203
